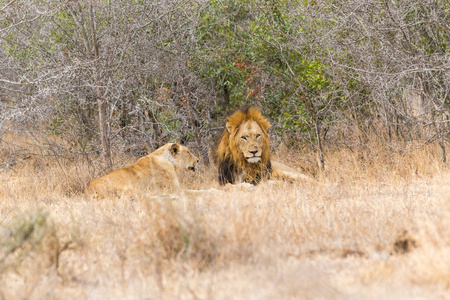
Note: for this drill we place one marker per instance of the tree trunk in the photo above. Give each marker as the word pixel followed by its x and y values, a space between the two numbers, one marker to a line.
pixel 101 100
pixel 92 53
pixel 319 146
pixel 103 126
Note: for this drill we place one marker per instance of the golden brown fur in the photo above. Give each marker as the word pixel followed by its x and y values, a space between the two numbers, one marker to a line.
pixel 243 152
pixel 157 172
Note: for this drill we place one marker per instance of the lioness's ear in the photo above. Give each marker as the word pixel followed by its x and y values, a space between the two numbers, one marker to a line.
pixel 174 149
pixel 229 127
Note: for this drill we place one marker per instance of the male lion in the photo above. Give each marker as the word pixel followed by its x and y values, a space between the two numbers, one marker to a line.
pixel 155 171
pixel 243 152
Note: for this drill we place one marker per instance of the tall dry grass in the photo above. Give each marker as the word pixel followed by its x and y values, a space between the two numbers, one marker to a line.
pixel 378 227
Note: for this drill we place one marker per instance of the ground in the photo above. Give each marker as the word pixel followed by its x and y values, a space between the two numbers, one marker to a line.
pixel 360 234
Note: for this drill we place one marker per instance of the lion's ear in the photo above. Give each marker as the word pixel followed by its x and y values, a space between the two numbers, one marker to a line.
pixel 265 125
pixel 229 127
pixel 174 149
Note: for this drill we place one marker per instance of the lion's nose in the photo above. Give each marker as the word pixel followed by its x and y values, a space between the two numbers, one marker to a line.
pixel 254 151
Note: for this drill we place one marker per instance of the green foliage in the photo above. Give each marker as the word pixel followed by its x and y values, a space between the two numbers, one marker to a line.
pixel 307 64
pixel 55 125
pixel 167 118
pixel 249 53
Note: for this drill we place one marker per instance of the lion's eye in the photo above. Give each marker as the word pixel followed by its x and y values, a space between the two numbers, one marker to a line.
pixel 258 135
pixel 244 138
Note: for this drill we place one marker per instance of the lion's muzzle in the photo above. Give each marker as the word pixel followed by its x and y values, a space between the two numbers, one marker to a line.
pixel 253 159
pixel 254 155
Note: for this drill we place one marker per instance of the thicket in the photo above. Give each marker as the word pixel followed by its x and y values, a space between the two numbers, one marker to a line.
pixel 110 76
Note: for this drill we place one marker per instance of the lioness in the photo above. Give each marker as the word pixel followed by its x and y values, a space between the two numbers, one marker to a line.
pixel 157 171
pixel 243 153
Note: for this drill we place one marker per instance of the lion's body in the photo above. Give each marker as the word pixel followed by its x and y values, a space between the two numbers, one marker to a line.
pixel 243 151
pixel 281 171
pixel 157 172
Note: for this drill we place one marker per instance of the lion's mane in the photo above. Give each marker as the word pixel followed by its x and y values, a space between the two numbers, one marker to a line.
pixel 231 161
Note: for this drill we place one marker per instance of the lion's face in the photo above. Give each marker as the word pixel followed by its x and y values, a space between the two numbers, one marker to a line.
pixel 250 142
pixel 243 151
pixel 184 159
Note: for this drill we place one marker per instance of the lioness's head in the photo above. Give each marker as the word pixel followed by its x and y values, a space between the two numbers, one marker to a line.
pixel 244 147
pixel 183 158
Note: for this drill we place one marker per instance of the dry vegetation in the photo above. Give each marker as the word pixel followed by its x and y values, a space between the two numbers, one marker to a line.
pixel 378 228
pixel 363 84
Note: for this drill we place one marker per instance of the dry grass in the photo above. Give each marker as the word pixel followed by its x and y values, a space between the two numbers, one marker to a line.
pixel 379 228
